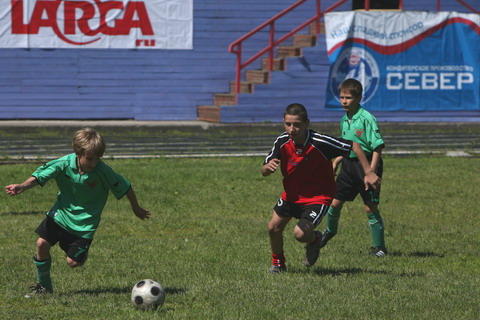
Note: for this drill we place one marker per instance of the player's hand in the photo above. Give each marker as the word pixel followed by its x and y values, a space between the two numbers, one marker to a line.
pixel 14 189
pixel 372 180
pixel 270 167
pixel 141 213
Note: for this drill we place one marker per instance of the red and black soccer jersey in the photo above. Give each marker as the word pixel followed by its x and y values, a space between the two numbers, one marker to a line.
pixel 307 169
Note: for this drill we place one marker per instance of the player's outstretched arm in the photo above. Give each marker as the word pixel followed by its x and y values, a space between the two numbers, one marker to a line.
pixel 270 167
pixel 137 210
pixel 370 179
pixel 14 189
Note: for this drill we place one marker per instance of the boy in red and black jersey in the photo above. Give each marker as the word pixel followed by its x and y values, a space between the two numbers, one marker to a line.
pixel 304 157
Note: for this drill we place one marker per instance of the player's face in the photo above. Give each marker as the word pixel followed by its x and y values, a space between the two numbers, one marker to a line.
pixel 349 102
pixel 88 161
pixel 295 127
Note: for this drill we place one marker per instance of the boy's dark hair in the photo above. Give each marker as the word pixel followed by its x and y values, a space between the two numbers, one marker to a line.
pixel 353 86
pixel 297 109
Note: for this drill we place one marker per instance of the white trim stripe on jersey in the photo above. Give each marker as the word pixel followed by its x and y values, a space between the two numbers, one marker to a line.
pixel 283 135
pixel 333 142
pixel 308 138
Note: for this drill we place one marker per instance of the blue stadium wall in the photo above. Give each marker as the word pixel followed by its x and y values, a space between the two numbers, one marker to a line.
pixel 170 84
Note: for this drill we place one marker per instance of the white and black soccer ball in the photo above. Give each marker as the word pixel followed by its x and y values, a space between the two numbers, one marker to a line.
pixel 148 294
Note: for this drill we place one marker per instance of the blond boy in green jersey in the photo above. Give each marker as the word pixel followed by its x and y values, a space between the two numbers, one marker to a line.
pixel 84 182
pixel 359 126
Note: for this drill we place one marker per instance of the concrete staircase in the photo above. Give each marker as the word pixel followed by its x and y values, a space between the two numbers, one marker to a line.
pixel 262 76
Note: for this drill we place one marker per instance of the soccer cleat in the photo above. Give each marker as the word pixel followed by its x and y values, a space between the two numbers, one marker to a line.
pixel 277 269
pixel 312 251
pixel 378 252
pixel 326 236
pixel 38 290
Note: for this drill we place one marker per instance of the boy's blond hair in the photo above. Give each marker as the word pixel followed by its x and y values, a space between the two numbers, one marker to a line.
pixel 88 140
pixel 353 86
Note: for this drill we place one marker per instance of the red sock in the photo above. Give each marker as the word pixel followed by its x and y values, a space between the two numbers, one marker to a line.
pixel 278 260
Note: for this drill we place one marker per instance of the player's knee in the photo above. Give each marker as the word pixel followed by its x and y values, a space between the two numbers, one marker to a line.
pixel 43 249
pixel 371 208
pixel 74 264
pixel 337 204
pixel 302 228
pixel 298 234
pixel 42 243
pixel 274 228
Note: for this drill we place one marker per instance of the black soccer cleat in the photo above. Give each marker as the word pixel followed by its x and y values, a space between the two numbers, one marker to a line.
pixel 378 252
pixel 312 251
pixel 277 269
pixel 326 236
pixel 38 290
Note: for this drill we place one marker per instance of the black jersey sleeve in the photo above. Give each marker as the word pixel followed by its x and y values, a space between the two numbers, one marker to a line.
pixel 330 146
pixel 275 151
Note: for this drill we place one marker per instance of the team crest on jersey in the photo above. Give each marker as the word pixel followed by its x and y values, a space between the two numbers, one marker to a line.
pixel 359 132
pixel 92 185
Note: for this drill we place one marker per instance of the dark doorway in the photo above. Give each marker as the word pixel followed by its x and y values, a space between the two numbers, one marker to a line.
pixel 376 4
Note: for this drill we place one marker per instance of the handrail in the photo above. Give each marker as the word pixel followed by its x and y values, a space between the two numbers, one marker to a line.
pixel 466 5
pixel 236 46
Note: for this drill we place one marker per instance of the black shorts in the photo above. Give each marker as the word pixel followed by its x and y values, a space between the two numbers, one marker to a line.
pixel 350 182
pixel 313 213
pixel 75 247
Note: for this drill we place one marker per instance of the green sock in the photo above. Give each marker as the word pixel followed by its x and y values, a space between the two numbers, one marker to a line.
pixel 43 272
pixel 376 229
pixel 333 215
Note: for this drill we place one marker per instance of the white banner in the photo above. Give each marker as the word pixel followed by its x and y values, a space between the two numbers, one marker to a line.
pixel 118 24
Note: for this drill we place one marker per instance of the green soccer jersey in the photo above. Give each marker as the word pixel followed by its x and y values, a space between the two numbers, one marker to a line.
pixel 82 197
pixel 363 129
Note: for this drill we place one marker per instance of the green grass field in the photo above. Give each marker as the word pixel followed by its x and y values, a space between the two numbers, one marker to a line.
pixel 207 244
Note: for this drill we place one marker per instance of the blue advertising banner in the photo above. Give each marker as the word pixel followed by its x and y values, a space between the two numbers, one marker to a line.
pixel 419 61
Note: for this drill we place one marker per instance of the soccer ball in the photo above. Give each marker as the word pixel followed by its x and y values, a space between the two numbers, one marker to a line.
pixel 148 294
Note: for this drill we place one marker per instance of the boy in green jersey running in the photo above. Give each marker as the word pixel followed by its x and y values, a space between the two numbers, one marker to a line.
pixel 359 126
pixel 84 182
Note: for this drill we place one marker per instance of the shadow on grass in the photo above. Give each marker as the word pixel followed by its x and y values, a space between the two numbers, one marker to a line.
pixel 418 254
pixel 425 254
pixel 125 291
pixel 104 290
pixel 336 271
pixel 22 213
pixel 175 290
pixel 342 272
pixel 345 271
